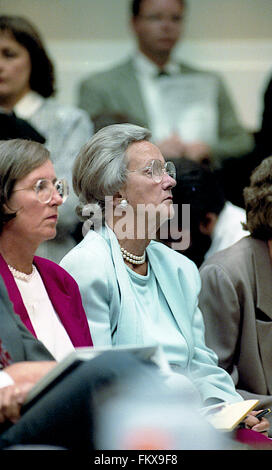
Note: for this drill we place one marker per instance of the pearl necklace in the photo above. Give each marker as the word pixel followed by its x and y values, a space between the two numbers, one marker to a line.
pixel 23 276
pixel 133 259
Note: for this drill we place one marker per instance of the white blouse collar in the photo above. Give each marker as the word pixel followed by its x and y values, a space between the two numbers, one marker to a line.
pixel 28 105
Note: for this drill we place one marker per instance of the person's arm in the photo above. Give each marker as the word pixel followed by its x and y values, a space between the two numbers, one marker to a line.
pixel 11 400
pixel 29 371
pixel 213 382
pixel 221 310
pixel 23 376
pixel 174 147
pixel 92 98
pixel 219 303
pixel 5 379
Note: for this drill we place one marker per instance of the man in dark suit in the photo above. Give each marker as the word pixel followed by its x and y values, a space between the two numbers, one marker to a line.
pixel 64 415
pixel 263 137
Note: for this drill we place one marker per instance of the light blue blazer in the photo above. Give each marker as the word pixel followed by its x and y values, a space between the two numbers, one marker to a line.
pixel 97 266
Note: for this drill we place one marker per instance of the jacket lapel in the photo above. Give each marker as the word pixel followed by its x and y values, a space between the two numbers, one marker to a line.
pixel 131 97
pixel 167 279
pixel 263 268
pixel 263 275
pixel 128 325
pixel 129 329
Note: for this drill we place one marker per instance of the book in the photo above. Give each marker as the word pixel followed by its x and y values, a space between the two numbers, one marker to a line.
pixel 147 353
pixel 227 416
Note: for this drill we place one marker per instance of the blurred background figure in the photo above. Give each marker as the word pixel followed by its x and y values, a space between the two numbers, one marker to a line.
pixel 263 137
pixel 27 85
pixel 188 111
pixel 215 223
pixel 151 417
pixel 236 296
pixel 235 173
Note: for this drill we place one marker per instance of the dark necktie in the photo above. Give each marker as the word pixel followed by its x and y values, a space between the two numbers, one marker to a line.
pixel 5 359
pixel 162 73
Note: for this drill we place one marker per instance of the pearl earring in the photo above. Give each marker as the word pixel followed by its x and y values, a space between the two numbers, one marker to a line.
pixel 123 204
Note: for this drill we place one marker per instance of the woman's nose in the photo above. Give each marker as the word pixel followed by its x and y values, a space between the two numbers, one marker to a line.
pixel 56 198
pixel 168 181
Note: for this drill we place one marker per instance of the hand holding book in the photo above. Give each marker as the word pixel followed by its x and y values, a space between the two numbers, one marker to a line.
pixel 257 422
pixel 227 416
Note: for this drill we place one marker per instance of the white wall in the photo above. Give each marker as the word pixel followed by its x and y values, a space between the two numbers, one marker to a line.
pixel 233 37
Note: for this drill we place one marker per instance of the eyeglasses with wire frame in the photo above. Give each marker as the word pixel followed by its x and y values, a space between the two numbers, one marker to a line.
pixel 156 169
pixel 44 190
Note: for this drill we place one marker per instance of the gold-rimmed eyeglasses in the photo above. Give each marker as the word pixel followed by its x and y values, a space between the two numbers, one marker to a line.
pixel 44 189
pixel 156 169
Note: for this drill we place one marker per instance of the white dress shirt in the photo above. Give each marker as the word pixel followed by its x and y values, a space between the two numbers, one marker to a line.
pixel 184 104
pixel 44 319
pixel 5 379
pixel 28 105
pixel 147 75
pixel 228 228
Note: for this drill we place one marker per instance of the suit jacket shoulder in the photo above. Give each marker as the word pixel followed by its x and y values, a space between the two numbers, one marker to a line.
pixel 188 68
pixel 114 92
pixel 242 251
pixel 19 342
pixel 122 68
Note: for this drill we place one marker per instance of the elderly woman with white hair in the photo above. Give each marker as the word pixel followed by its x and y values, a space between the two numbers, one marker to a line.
pixel 135 290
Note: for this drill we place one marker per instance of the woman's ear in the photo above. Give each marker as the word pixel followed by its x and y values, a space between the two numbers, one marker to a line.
pixel 6 209
pixel 118 197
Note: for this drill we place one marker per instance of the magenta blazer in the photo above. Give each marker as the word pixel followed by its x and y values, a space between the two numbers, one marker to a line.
pixel 64 294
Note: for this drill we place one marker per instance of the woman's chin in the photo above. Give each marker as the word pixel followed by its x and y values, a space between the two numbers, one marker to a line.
pixel 50 234
pixel 171 212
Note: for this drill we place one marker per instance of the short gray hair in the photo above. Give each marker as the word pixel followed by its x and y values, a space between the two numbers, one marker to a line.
pixel 100 168
pixel 18 157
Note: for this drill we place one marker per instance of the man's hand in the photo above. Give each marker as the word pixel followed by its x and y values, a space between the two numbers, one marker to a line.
pixel 197 151
pixel 30 372
pixel 24 375
pixel 174 147
pixel 11 400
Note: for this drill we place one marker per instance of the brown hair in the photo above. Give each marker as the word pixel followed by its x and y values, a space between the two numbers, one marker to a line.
pixel 42 70
pixel 258 201
pixel 18 157
pixel 136 6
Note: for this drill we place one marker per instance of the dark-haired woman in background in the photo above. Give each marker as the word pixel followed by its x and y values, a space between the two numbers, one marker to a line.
pixel 27 87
